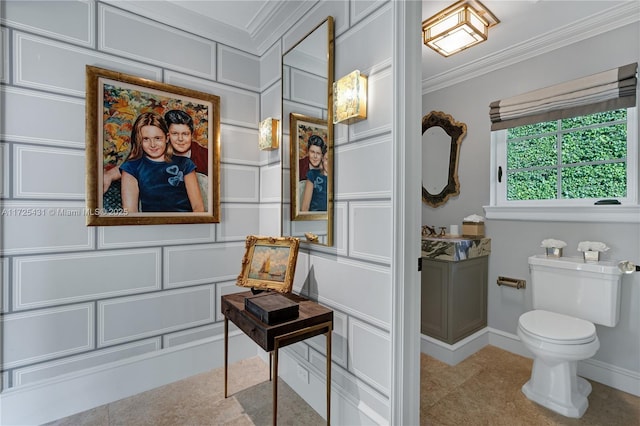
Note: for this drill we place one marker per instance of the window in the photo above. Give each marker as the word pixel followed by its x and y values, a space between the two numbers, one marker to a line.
pixel 557 151
pixel 566 163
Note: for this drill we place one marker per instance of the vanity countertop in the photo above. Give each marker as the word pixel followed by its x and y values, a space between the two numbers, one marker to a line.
pixel 454 248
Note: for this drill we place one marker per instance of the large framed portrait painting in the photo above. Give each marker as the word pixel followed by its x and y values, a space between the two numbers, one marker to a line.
pixel 310 156
pixel 153 152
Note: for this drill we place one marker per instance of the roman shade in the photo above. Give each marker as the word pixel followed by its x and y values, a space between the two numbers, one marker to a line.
pixel 605 91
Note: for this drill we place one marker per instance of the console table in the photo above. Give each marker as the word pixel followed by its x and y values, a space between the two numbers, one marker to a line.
pixel 313 320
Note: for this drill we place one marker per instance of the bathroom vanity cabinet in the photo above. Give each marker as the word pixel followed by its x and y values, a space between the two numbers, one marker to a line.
pixel 454 296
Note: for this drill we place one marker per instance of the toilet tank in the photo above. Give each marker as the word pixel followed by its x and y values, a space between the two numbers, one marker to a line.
pixel 570 286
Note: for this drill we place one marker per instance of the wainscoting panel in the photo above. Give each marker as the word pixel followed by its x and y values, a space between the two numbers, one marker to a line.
pixel 120 34
pixel 239 184
pixel 26 227
pixel 73 23
pixel 239 145
pixel 53 66
pixel 135 317
pixel 238 68
pixel 69 278
pixel 363 169
pixel 238 221
pixel 363 218
pixel 30 182
pixel 33 336
pixel 202 264
pixel 51 369
pixel 366 362
pixel 54 114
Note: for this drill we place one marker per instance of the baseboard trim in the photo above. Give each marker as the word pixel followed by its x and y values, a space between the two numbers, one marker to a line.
pixel 598 371
pixel 76 392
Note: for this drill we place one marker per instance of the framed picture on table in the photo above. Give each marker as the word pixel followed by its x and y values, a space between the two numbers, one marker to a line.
pixel 153 152
pixel 269 263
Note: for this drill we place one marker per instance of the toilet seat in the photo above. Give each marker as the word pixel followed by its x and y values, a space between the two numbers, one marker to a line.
pixel 557 328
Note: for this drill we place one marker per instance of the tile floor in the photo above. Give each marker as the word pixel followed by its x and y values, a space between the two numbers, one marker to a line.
pixel 484 389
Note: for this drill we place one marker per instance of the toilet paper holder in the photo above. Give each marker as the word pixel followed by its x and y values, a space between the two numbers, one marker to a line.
pixel 511 282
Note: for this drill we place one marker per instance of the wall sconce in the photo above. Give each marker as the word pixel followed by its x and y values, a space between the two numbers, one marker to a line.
pixel 458 27
pixel 350 98
pixel 269 132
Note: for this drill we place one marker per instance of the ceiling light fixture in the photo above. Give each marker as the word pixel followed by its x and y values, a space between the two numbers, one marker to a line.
pixel 458 27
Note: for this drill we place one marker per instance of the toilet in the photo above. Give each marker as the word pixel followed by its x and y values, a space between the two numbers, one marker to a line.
pixel 569 297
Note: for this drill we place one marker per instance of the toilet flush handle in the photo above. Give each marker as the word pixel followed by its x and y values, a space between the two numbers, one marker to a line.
pixel 627 267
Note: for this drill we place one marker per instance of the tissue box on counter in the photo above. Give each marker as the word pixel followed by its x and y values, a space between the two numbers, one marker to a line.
pixel 473 229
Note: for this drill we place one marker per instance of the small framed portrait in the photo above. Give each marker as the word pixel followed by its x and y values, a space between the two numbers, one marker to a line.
pixel 311 159
pixel 269 263
pixel 153 152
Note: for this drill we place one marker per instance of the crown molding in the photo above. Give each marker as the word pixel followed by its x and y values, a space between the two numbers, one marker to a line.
pixel 575 32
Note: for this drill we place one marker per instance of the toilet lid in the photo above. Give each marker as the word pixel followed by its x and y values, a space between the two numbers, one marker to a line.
pixel 554 327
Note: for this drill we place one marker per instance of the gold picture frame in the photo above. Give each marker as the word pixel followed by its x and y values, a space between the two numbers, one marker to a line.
pixel 188 188
pixel 269 263
pixel 302 130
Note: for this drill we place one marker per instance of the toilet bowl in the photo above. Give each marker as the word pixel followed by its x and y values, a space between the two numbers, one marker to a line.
pixel 558 342
pixel 569 297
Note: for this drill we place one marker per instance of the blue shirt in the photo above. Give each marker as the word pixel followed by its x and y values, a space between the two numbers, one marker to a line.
pixel 319 195
pixel 161 184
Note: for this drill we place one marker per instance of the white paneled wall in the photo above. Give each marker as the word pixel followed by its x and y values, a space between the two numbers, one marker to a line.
pixel 80 301
pixel 83 299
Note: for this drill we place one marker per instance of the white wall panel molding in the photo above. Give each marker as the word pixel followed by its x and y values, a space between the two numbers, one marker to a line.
pixel 29 181
pixel 286 83
pixel 289 106
pixel 239 221
pixel 136 317
pixel 270 66
pixel 27 335
pixel 4 55
pixel 360 10
pixel 370 231
pixel 238 68
pixel 365 362
pixel 366 44
pixel 155 235
pixel 57 398
pixel 308 89
pixel 127 35
pixel 58 67
pixel 379 109
pixel 56 279
pixel 4 285
pixel 341 227
pixel 237 106
pixel 271 103
pixel 77 363
pixel 213 332
pixel 300 279
pixel 270 184
pixel 364 169
pixel 239 184
pixel 331 279
pixel 26 227
pixel 269 219
pixel 54 114
pixel 202 264
pixel 339 340
pixel 4 174
pixel 362 404
pixel 239 145
pixel 69 21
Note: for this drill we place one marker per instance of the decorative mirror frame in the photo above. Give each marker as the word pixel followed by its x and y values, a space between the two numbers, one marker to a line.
pixel 456 131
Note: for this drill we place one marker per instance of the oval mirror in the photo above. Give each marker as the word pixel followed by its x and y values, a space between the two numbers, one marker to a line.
pixel 307 167
pixel 441 139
